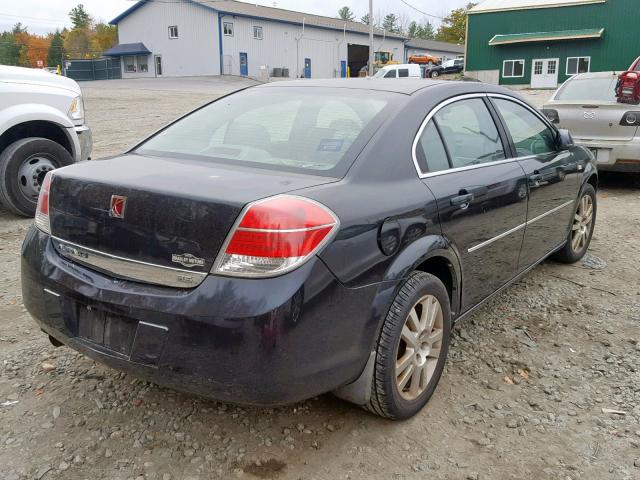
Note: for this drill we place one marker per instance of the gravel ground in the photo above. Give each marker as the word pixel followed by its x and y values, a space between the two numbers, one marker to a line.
pixel 541 383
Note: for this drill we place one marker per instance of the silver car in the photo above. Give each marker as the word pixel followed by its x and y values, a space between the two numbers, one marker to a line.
pixel 586 106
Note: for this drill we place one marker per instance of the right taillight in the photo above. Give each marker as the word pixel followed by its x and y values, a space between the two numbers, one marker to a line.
pixel 551 114
pixel 631 119
pixel 274 236
pixel 42 210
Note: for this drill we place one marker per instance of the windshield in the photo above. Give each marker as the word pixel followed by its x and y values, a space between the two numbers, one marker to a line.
pixel 382 57
pixel 382 72
pixel 310 130
pixel 586 89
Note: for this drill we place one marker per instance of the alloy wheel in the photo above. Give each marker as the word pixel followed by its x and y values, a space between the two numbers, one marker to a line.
pixel 419 348
pixel 582 224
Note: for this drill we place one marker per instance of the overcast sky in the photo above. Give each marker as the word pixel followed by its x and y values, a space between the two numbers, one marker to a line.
pixel 44 16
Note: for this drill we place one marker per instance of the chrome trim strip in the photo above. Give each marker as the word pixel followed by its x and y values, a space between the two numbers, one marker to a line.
pixel 515 229
pixel 46 290
pixel 289 230
pixel 127 268
pixel 161 327
pixel 496 238
pixel 553 210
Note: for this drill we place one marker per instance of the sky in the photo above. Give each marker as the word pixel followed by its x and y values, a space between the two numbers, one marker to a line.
pixel 42 16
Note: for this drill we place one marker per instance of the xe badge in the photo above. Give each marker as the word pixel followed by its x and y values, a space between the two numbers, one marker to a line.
pixel 118 203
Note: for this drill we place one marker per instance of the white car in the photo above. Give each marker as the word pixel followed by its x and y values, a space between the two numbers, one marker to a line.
pixel 586 105
pixel 406 70
pixel 42 127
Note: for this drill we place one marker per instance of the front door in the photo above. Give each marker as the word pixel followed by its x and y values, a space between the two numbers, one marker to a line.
pixel 544 73
pixel 481 195
pixel 158 62
pixel 552 177
pixel 244 65
pixel 307 68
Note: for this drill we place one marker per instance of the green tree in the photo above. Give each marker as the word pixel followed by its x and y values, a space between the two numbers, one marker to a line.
pixel 365 19
pixel 80 18
pixel 56 50
pixel 426 31
pixel 9 49
pixel 345 13
pixel 390 23
pixel 454 26
pixel 77 43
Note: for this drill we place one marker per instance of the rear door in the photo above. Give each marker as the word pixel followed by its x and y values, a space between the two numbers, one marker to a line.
pixel 481 195
pixel 553 178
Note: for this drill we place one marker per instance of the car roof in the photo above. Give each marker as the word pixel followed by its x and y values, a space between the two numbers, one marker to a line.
pixel 407 86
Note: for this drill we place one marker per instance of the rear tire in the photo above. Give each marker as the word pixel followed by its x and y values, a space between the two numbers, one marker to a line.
pixel 412 348
pixel 434 74
pixel 582 226
pixel 23 165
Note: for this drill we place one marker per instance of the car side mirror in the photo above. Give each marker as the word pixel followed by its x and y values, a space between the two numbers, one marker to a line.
pixel 564 140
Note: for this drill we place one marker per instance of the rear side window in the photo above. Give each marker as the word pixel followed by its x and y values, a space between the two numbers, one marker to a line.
pixel 403 72
pixel 469 133
pixel 589 89
pixel 309 130
pixel 431 155
pixel 530 135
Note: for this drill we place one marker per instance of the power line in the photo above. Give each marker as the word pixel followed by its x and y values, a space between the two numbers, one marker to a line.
pixel 420 11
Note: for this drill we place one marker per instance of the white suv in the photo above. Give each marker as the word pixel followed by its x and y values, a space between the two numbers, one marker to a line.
pixel 41 128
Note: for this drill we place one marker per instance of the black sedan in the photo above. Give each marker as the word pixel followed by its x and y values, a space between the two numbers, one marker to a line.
pixel 307 237
pixel 450 66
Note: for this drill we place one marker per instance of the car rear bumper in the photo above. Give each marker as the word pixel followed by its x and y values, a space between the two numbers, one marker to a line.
pixel 614 156
pixel 259 342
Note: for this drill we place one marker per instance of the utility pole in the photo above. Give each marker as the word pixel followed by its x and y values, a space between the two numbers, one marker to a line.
pixel 371 47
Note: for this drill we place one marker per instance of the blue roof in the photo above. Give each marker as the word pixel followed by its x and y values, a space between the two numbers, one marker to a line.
pixel 127 49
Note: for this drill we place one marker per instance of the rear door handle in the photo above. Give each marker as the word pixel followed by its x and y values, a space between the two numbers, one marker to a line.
pixel 462 200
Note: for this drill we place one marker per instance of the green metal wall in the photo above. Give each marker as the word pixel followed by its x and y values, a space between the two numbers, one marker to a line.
pixel 617 48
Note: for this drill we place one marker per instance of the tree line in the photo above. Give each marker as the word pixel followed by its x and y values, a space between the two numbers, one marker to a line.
pixel 452 29
pixel 86 39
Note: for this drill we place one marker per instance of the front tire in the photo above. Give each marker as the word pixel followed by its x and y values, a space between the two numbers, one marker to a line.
pixel 23 166
pixel 434 74
pixel 412 348
pixel 582 226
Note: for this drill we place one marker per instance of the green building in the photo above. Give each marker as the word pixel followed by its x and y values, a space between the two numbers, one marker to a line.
pixel 541 43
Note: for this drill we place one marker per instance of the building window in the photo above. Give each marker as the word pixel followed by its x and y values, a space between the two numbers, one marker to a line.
pixel 537 67
pixel 143 65
pixel 173 31
pixel 551 67
pixel 577 65
pixel 228 28
pixel 513 68
pixel 130 64
pixel 257 32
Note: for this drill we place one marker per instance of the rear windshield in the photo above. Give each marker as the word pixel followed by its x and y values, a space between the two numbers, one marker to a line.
pixel 305 129
pixel 584 89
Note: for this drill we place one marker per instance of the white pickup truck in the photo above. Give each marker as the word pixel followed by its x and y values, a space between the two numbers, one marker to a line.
pixel 42 127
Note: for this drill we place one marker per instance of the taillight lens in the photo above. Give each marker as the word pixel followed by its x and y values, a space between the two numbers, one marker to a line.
pixel 274 236
pixel 551 114
pixel 42 210
pixel 631 119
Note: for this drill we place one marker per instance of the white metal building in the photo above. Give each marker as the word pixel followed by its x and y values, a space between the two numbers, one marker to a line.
pixel 444 50
pixel 227 37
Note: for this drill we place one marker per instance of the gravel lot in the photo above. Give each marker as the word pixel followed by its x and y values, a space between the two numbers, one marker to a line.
pixel 526 393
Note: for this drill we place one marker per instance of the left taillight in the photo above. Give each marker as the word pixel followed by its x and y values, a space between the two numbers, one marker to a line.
pixel 42 210
pixel 274 236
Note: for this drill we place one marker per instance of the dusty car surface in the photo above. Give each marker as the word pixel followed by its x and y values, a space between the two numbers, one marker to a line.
pixel 275 244
pixel 42 127
pixel 586 105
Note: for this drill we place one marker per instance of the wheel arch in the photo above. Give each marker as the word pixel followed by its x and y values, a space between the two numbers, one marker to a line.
pixel 37 128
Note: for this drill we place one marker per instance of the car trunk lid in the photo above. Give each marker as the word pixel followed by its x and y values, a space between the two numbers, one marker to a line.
pixel 598 121
pixel 176 213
